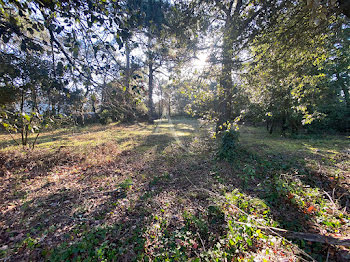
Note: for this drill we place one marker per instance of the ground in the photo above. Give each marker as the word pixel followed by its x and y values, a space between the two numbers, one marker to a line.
pixel 159 193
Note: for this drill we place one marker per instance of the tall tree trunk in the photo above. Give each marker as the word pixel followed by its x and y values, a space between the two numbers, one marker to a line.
pixel 53 108
pixel 127 68
pixel 272 126
pixel 226 84
pixel 161 102
pixel 103 95
pixel 284 125
pixel 345 90
pixel 169 107
pixel 150 77
pixel 54 74
pixel 150 90
pixel 34 98
pixel 22 120
pixel 49 101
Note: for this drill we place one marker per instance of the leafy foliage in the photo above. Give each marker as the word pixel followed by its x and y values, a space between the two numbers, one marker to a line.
pixel 289 79
pixel 229 142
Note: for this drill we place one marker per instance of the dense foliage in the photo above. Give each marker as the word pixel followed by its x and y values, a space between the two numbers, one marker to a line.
pixel 281 63
pixel 292 81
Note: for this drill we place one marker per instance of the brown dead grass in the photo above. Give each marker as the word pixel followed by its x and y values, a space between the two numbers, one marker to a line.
pixel 112 175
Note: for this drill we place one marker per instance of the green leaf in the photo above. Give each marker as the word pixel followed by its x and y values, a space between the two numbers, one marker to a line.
pixel 26 116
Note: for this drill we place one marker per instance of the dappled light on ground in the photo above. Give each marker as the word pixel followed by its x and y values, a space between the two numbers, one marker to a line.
pixel 137 192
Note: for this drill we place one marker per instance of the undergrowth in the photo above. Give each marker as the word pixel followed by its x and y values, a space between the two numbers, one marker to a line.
pixel 160 200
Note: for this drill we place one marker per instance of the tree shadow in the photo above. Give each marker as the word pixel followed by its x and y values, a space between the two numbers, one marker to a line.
pixel 56 211
pixel 52 135
pixel 110 210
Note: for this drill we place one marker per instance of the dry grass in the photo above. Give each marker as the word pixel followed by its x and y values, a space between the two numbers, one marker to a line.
pixel 142 180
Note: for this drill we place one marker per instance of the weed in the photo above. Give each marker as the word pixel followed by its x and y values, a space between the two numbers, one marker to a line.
pixel 126 184
pixel 29 242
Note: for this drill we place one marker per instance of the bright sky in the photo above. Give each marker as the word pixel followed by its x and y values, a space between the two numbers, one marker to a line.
pixel 201 62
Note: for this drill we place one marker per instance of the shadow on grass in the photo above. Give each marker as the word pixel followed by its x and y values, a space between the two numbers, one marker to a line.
pixel 58 213
pixel 50 136
pixel 113 213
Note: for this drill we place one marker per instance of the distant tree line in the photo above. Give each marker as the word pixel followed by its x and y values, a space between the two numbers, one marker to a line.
pixel 282 63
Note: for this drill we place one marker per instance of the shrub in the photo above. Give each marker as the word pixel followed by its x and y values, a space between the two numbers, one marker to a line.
pixel 228 146
pixel 106 117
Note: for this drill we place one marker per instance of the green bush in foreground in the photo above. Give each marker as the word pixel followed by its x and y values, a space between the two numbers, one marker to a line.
pixel 228 145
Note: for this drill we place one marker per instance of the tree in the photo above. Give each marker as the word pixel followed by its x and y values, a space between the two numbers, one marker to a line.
pixel 151 21
pixel 63 26
pixel 290 78
pixel 238 22
pixel 167 36
pixel 27 76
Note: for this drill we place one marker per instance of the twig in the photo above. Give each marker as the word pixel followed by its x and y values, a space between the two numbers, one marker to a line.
pixel 330 198
pixel 327 255
pixel 35 140
pixel 201 241
pixel 12 136
pixel 305 236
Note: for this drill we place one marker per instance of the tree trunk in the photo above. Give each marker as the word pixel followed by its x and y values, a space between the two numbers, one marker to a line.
pixel 345 90
pixel 150 91
pixel 49 101
pixel 34 98
pixel 284 125
pixel 272 126
pixel 150 78
pixel 22 120
pixel 169 107
pixel 127 68
pixel 103 95
pixel 225 97
pixel 161 102
pixel 267 124
pixel 346 95
pixel 53 108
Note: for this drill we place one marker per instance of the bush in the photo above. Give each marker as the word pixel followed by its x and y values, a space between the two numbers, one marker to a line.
pixel 228 146
pixel 106 117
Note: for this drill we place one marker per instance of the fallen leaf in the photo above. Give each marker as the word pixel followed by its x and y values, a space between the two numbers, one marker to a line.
pixel 310 209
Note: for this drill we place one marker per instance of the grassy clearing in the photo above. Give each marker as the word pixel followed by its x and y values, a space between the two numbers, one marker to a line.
pixel 157 193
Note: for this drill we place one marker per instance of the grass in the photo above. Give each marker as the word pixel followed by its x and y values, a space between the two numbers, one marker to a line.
pixel 158 193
